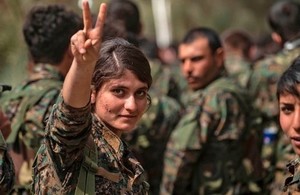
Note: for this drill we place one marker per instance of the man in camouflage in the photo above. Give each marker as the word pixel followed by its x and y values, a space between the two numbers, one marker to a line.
pixel 47 31
pixel 207 151
pixel 284 20
pixel 237 46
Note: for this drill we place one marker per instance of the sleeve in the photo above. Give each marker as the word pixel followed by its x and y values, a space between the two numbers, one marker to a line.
pixel 67 132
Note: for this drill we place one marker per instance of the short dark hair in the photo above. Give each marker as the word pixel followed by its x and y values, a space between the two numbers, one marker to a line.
pixel 289 80
pixel 211 35
pixel 47 31
pixel 116 55
pixel 284 19
pixel 126 13
pixel 238 39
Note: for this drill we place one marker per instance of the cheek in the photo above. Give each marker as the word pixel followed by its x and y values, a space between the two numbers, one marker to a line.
pixel 284 122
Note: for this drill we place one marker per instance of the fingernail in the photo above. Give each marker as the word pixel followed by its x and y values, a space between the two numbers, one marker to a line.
pixel 82 50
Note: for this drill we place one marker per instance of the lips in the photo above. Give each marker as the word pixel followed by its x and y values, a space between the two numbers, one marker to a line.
pixel 296 141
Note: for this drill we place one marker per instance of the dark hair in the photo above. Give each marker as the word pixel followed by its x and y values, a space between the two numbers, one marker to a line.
pixel 238 39
pixel 116 55
pixel 284 19
pixel 212 37
pixel 126 13
pixel 47 31
pixel 289 80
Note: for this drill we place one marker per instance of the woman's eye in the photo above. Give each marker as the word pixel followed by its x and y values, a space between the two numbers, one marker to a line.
pixel 287 109
pixel 141 94
pixel 118 91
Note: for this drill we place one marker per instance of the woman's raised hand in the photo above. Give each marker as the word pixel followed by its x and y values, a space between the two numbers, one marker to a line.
pixel 86 43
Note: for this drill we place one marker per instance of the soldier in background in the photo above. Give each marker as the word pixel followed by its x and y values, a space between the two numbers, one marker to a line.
pixel 238 46
pixel 47 30
pixel 284 20
pixel 207 151
pixel 7 172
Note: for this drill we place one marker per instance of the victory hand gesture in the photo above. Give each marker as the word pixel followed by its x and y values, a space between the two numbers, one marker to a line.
pixel 85 44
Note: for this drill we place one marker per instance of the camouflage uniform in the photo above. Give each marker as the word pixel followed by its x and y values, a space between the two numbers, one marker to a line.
pixel 149 139
pixel 263 85
pixel 206 151
pixel 58 161
pixel 292 183
pixel 239 69
pixel 27 107
pixel 7 174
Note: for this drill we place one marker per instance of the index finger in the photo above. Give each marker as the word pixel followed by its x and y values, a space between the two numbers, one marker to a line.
pixel 87 18
pixel 101 16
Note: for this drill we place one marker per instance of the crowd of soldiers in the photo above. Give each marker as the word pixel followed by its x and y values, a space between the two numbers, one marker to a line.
pixel 213 124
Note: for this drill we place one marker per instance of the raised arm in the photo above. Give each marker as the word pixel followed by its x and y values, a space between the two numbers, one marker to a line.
pixel 85 46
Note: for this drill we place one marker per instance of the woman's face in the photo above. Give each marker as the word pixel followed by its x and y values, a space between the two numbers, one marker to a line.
pixel 120 103
pixel 289 117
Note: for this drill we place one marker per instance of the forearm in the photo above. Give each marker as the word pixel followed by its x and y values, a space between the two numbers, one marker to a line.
pixel 77 85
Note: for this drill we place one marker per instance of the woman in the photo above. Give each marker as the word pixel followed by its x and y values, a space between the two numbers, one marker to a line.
pixel 87 117
pixel 288 94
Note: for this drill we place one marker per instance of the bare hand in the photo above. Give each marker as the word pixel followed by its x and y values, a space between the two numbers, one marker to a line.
pixel 86 43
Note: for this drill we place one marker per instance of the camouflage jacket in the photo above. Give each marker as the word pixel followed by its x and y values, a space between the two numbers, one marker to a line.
pixel 292 183
pixel 239 69
pixel 7 174
pixel 58 161
pixel 28 106
pixel 205 153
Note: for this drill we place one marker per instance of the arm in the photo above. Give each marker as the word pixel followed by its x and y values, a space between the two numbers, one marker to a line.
pixel 85 45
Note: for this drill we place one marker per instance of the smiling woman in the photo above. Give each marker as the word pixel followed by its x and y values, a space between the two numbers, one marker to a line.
pixel 288 94
pixel 83 152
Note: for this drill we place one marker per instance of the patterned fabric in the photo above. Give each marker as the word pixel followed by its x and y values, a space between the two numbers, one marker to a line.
pixel 206 153
pixel 28 106
pixel 7 174
pixel 56 167
pixel 239 69
pixel 292 183
pixel 263 87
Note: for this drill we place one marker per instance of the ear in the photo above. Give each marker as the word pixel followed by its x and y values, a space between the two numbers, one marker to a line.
pixel 276 38
pixel 219 56
pixel 93 96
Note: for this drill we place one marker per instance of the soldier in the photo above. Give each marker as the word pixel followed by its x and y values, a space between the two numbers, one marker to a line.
pixel 104 95
pixel 7 174
pixel 238 46
pixel 288 94
pixel 47 31
pixel 283 18
pixel 206 153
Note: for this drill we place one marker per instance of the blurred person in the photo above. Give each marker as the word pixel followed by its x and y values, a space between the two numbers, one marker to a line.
pixel 47 30
pixel 288 94
pixel 238 45
pixel 207 151
pixel 284 20
pixel 104 95
pixel 264 46
pixel 152 132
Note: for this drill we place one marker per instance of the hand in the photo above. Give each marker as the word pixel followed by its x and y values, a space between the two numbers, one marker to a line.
pixel 86 43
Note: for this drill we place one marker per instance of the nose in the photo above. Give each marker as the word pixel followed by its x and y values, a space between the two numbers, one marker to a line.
pixel 187 66
pixel 130 104
pixel 296 120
